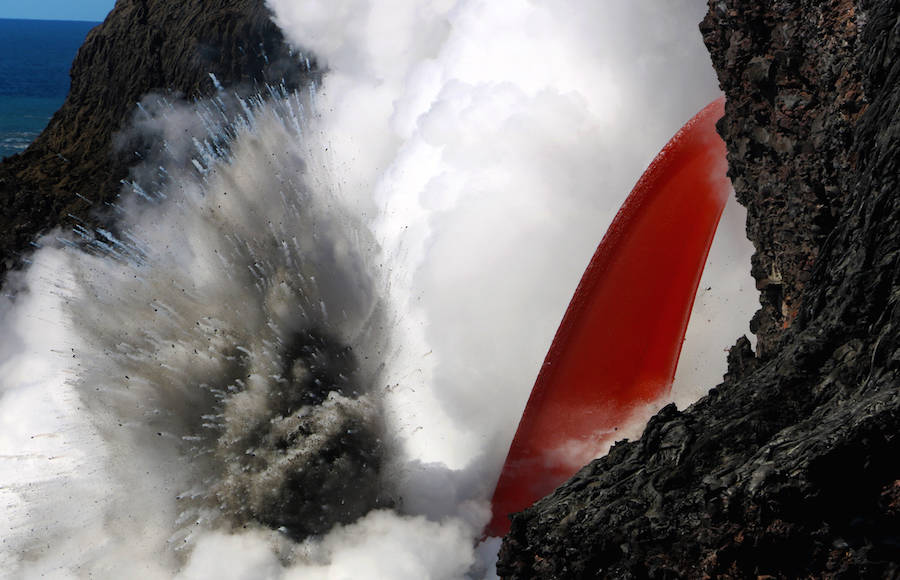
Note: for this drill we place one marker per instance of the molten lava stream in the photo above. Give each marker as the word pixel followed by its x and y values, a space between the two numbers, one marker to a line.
pixel 619 342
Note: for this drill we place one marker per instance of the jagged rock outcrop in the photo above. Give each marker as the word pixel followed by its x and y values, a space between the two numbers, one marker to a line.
pixel 789 469
pixel 794 95
pixel 168 46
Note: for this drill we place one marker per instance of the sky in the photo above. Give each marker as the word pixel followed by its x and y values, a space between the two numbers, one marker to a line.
pixel 89 10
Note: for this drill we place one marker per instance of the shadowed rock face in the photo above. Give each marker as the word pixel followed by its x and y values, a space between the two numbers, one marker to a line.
pixel 789 468
pixel 795 94
pixel 166 46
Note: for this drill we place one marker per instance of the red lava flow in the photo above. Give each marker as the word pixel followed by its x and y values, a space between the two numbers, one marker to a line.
pixel 618 344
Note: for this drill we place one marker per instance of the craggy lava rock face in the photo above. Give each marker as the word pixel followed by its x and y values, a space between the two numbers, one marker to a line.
pixel 789 469
pixel 794 95
pixel 168 46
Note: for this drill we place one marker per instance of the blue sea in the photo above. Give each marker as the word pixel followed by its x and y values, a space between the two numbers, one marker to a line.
pixel 35 57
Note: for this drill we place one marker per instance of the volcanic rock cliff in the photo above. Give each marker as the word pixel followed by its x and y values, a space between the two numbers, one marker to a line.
pixel 791 467
pixel 75 166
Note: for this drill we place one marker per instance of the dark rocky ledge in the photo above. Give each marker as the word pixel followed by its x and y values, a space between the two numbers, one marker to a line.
pixel 791 467
pixel 168 46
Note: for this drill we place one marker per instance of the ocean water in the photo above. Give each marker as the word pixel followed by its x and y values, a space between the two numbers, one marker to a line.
pixel 35 57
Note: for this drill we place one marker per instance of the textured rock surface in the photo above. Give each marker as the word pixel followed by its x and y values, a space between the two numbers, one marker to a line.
pixel 790 467
pixel 144 45
pixel 794 95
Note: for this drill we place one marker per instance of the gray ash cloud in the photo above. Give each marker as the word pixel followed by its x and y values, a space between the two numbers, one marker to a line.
pixel 234 322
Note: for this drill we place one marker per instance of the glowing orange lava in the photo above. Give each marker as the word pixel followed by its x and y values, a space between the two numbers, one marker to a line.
pixel 618 344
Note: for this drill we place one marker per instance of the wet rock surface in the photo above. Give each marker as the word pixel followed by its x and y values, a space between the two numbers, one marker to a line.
pixel 75 166
pixel 789 468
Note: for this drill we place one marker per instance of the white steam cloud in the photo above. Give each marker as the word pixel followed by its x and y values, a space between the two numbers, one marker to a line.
pixel 398 248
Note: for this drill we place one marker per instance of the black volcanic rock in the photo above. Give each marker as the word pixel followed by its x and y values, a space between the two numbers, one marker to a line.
pixel 168 46
pixel 791 467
